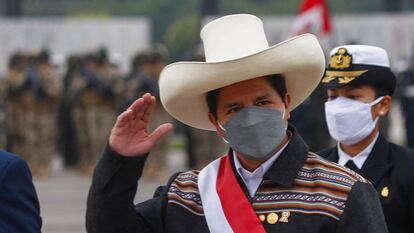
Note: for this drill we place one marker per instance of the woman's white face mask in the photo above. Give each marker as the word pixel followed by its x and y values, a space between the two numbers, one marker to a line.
pixel 350 121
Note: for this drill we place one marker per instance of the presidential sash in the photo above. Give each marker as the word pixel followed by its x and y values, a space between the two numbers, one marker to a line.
pixel 226 207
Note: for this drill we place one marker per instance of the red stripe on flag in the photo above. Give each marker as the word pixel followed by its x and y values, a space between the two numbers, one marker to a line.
pixel 236 207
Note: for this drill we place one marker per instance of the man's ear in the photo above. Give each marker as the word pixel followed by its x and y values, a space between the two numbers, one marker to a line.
pixel 287 100
pixel 214 121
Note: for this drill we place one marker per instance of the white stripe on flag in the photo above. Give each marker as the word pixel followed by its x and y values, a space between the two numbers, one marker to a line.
pixel 312 18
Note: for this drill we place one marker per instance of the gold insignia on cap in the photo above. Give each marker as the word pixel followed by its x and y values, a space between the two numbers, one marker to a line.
pixel 345 80
pixel 343 77
pixel 272 218
pixel 262 217
pixel 385 192
pixel 328 79
pixel 285 216
pixel 341 59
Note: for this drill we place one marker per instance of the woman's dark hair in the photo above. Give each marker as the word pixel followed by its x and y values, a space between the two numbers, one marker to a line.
pixel 380 90
pixel 277 81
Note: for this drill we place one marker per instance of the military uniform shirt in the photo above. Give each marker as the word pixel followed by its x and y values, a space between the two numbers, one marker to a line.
pixel 360 158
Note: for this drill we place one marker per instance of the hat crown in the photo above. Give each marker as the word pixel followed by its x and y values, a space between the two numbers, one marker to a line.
pixel 232 37
pixel 364 55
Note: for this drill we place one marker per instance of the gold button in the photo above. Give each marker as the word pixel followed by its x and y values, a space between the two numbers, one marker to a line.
pixel 272 218
pixel 262 217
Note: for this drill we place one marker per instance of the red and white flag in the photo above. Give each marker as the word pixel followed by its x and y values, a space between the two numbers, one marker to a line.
pixel 313 17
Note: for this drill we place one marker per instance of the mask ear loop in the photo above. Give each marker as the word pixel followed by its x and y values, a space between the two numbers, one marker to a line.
pixel 222 128
pixel 283 118
pixel 375 102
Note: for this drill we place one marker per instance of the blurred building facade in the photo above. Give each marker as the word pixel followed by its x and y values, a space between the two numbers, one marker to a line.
pixel 123 37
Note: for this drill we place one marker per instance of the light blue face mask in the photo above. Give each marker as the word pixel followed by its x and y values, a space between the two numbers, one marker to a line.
pixel 255 132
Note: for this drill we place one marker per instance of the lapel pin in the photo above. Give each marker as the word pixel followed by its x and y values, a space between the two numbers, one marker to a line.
pixel 285 216
pixel 385 192
pixel 262 217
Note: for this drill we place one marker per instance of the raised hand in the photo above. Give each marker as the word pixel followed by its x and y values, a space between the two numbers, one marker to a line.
pixel 130 136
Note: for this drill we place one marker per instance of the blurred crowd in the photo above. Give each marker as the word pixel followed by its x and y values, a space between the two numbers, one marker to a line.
pixel 46 115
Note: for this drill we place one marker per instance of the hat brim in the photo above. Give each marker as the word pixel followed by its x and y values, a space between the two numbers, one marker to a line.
pixel 334 78
pixel 183 85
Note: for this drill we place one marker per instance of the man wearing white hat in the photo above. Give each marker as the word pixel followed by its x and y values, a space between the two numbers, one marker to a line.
pixel 360 84
pixel 268 181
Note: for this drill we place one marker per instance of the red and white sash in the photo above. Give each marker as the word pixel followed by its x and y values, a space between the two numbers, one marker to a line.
pixel 226 207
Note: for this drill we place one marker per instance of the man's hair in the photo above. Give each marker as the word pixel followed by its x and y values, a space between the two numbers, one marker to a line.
pixel 277 81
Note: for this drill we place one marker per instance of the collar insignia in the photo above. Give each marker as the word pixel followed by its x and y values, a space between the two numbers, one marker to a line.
pixel 341 60
pixel 385 192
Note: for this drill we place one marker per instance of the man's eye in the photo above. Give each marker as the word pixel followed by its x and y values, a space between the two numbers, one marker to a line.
pixel 263 103
pixel 233 110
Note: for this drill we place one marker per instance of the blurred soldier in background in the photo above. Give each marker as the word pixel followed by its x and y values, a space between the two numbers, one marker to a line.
pixel 14 109
pixel 406 85
pixel 93 95
pixel 143 78
pixel 33 93
pixel 202 146
pixel 133 81
pixel 46 112
pixel 312 128
pixel 68 145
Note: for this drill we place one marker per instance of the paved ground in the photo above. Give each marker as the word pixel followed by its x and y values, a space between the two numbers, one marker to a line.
pixel 63 196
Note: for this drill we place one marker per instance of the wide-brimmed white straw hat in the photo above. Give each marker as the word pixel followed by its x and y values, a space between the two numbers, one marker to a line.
pixel 236 49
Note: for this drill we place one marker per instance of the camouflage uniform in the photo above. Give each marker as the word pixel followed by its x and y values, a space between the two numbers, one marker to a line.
pixel 145 80
pixel 94 112
pixel 15 110
pixel 45 117
pixel 32 103
pixel 202 147
pixel 156 162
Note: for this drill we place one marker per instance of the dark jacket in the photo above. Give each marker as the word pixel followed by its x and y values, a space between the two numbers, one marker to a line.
pixel 320 196
pixel 390 168
pixel 19 206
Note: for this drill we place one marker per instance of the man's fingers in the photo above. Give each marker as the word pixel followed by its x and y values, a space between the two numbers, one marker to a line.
pixel 140 105
pixel 148 111
pixel 160 132
pixel 136 104
pixel 124 118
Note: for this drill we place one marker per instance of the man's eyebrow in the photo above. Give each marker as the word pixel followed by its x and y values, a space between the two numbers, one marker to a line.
pixel 232 104
pixel 263 97
pixel 236 104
